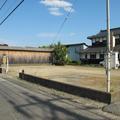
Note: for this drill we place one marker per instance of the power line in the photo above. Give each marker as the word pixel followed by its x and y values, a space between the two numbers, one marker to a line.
pixel 64 21
pixel 3 4
pixel 11 12
pixel 10 6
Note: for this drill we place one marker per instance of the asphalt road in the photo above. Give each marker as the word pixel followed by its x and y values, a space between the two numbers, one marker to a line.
pixel 18 103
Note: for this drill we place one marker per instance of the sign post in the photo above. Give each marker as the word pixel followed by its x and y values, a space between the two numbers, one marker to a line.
pixel 5 63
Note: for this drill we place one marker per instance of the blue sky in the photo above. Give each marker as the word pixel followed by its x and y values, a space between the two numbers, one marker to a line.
pixel 36 22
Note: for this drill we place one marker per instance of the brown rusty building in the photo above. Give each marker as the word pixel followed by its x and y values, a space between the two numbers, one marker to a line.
pixel 21 55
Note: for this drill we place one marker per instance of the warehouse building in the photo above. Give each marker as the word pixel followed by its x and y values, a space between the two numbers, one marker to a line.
pixel 23 55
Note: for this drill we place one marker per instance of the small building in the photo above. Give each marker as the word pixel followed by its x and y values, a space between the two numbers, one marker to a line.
pixel 22 55
pixel 96 52
pixel 74 50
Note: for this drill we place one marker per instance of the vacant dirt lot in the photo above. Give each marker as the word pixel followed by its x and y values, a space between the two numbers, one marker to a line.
pixel 91 77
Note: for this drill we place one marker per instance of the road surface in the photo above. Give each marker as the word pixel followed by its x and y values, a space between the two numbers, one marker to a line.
pixel 18 103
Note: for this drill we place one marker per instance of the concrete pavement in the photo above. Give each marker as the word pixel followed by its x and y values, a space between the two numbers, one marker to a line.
pixel 18 103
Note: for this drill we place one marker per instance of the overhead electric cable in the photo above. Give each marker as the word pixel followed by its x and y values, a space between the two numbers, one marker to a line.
pixel 3 4
pixel 8 9
pixel 11 12
pixel 64 21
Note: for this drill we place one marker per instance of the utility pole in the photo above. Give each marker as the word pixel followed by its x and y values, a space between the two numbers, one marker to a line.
pixel 108 67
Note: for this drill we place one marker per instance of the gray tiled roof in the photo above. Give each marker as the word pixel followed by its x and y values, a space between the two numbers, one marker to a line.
pixel 94 50
pixel 26 49
pixel 103 33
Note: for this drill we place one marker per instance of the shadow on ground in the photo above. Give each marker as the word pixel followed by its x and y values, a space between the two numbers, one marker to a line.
pixel 31 106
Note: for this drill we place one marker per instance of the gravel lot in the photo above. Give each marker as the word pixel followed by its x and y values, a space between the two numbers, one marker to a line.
pixel 91 77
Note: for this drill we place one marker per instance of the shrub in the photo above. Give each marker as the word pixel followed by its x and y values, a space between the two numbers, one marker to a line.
pixel 60 54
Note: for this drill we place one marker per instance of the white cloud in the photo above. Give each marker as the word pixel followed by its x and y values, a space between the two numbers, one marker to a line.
pixel 55 11
pixel 46 35
pixel 55 6
pixel 56 3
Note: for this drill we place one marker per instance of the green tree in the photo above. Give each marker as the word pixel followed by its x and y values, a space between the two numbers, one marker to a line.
pixel 60 54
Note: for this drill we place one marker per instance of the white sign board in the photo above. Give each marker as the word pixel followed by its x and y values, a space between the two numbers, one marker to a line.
pixel 114 60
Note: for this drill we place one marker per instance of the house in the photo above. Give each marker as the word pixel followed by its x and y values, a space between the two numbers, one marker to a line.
pixel 74 49
pixel 96 52
pixel 18 55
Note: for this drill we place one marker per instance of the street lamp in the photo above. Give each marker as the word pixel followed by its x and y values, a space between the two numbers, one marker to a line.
pixel 108 67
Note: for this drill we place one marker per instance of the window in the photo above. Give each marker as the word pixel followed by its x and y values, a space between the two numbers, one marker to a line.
pixel 104 43
pixel 93 56
pixel 117 41
pixel 101 56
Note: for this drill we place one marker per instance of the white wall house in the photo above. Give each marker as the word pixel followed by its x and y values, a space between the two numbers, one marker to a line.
pixel 74 50
pixel 95 53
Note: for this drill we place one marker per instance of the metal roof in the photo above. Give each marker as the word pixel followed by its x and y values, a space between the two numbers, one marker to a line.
pixel 26 49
